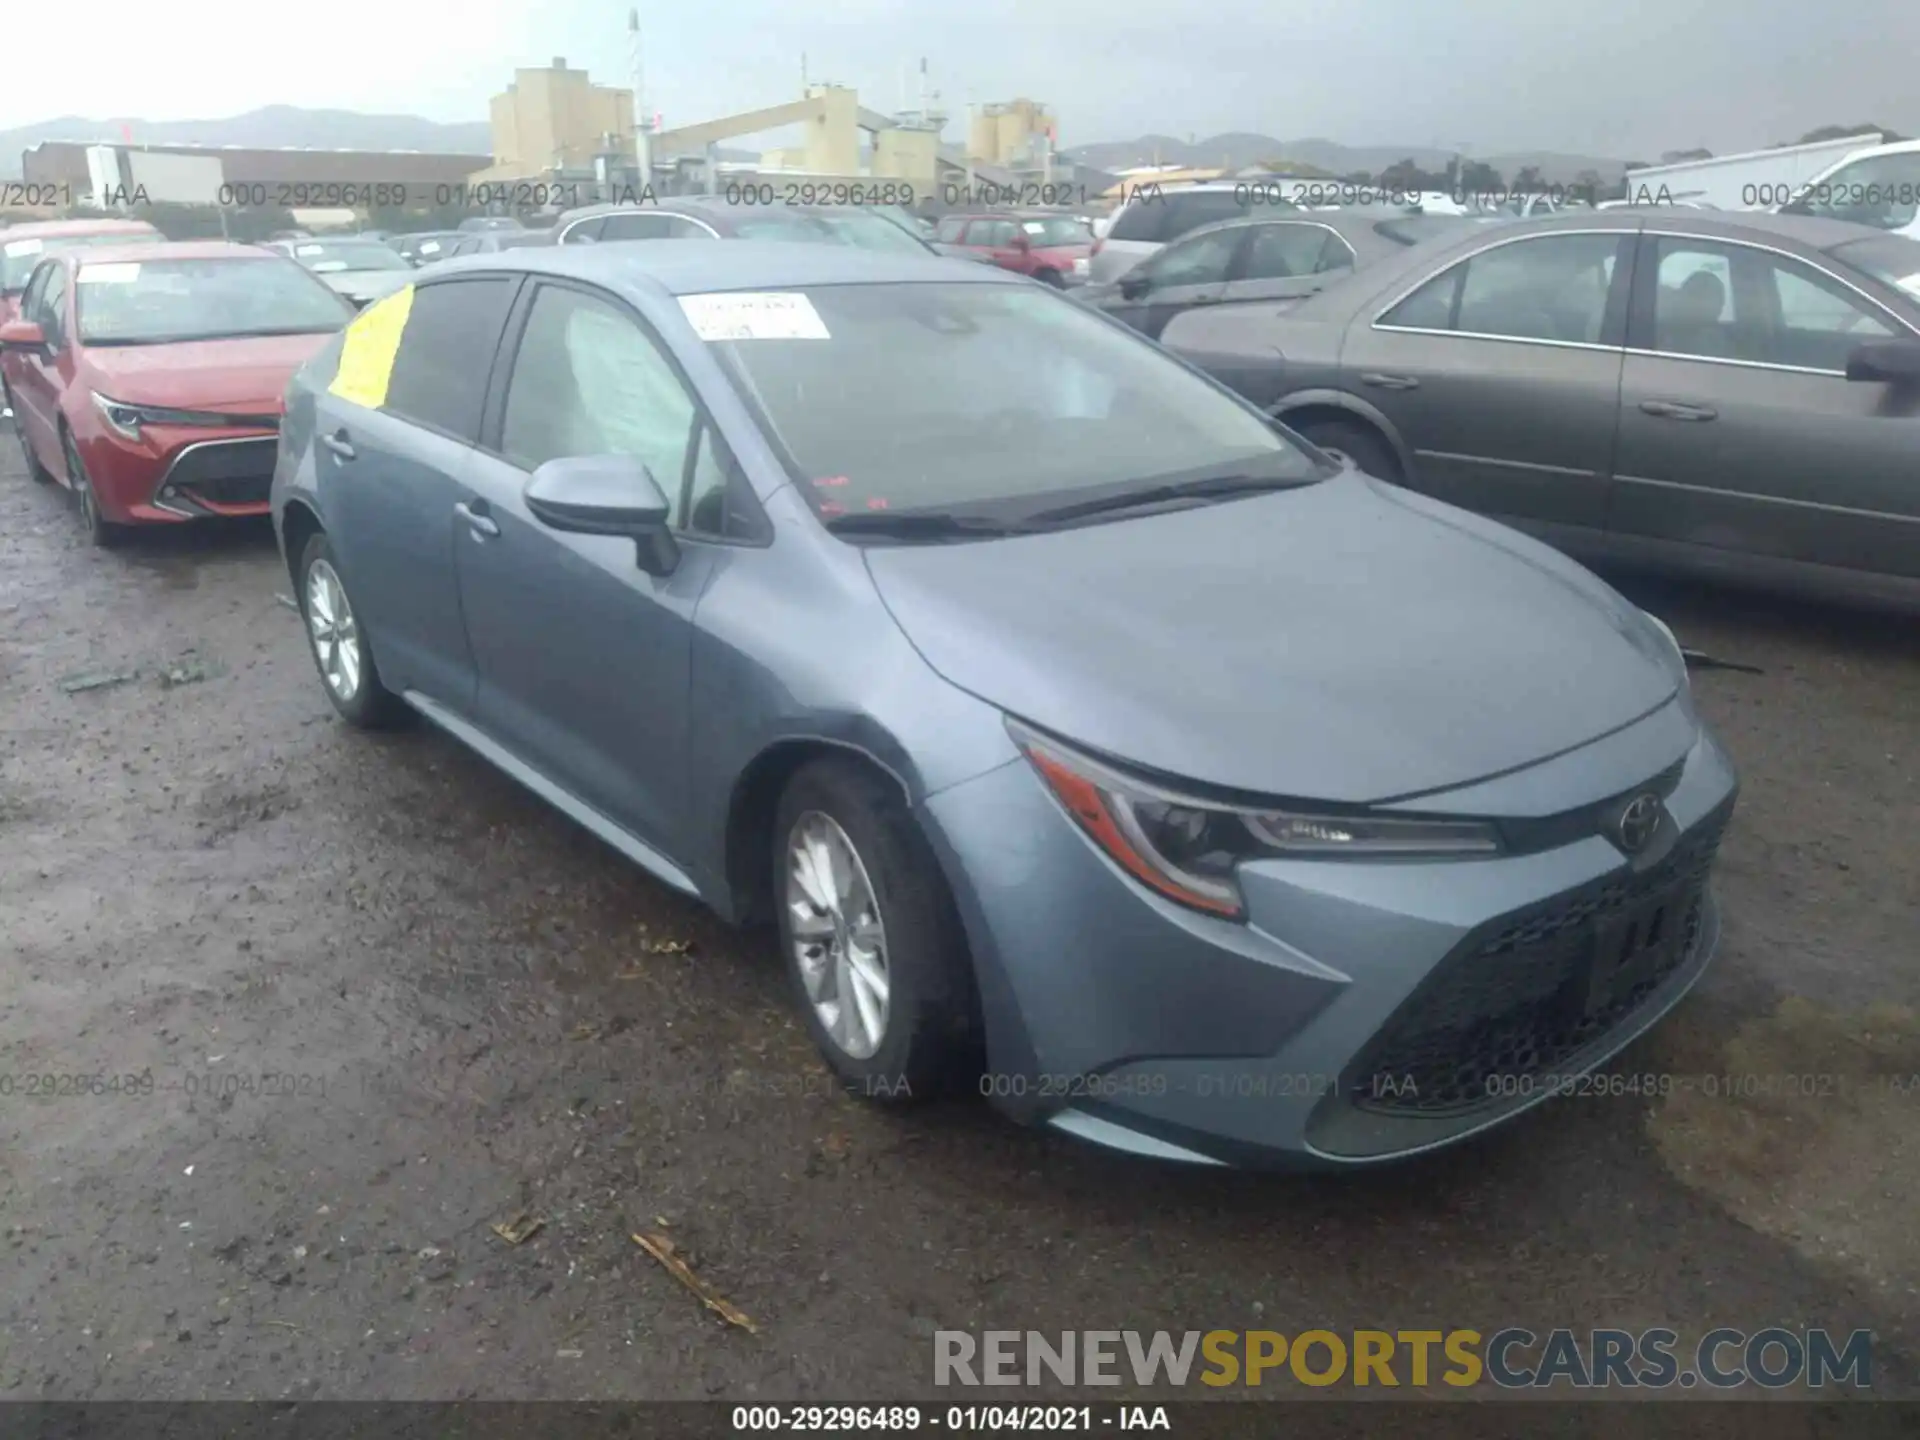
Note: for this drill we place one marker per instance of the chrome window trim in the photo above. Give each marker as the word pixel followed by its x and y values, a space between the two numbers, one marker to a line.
pixel 1504 339
pixel 1737 364
pixel 1496 244
pixel 571 225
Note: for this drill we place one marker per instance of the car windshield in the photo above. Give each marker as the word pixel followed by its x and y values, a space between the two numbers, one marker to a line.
pixel 1893 259
pixel 922 397
pixel 1056 230
pixel 869 232
pixel 163 302
pixel 325 257
pixel 18 257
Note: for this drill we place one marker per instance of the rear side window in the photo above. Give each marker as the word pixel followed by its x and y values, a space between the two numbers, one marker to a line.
pixel 439 375
pixel 585 233
pixel 636 226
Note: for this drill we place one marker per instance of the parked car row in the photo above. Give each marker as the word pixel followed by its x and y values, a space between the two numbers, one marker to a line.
pixel 1048 591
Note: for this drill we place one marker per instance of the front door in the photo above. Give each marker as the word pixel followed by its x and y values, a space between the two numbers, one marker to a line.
pixel 584 659
pixel 1502 374
pixel 1190 272
pixel 1739 430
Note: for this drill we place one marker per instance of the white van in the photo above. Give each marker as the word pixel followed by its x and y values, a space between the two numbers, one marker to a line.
pixel 1877 186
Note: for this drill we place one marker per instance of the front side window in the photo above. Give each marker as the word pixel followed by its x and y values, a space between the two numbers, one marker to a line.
pixel 439 376
pixel 1719 301
pixel 587 380
pixel 1201 260
pixel 1552 288
pixel 164 302
pixel 918 396
pixel 53 309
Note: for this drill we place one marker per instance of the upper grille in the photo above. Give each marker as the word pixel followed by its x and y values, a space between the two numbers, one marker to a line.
pixel 1521 998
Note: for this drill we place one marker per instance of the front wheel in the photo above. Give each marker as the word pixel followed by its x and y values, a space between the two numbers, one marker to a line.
pixel 100 530
pixel 339 645
pixel 870 933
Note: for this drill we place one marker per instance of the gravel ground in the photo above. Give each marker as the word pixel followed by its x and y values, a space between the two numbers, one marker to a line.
pixel 486 1013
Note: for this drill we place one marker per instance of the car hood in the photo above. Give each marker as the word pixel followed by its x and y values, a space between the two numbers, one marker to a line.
pixel 246 376
pixel 1346 641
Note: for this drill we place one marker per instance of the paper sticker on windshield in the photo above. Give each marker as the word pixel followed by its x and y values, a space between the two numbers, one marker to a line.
pixel 309 249
pixel 770 316
pixel 116 272
pixel 23 247
pixel 367 350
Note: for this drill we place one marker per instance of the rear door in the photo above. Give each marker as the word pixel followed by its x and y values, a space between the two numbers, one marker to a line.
pixel 395 434
pixel 584 659
pixel 1739 431
pixel 1502 373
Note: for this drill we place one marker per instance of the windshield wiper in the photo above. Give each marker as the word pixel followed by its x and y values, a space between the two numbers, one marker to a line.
pixel 922 525
pixel 1212 488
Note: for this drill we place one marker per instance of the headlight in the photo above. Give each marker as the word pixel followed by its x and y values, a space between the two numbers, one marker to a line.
pixel 126 420
pixel 1188 849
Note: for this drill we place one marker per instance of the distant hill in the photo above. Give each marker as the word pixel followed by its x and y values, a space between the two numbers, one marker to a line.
pixel 1237 149
pixel 276 125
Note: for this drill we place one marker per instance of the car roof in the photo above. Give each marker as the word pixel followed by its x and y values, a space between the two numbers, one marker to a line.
pixel 171 250
pixel 61 229
pixel 693 267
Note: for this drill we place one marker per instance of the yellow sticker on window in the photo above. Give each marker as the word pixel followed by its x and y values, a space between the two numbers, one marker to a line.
pixel 366 354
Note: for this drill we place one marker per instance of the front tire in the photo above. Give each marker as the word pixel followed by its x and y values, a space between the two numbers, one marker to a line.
pixel 100 530
pixel 339 646
pixel 1346 440
pixel 873 943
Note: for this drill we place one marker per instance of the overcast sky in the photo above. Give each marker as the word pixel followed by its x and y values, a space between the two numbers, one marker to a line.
pixel 1620 78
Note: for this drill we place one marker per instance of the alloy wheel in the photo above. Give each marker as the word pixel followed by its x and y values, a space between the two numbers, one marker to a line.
pixel 333 630
pixel 839 938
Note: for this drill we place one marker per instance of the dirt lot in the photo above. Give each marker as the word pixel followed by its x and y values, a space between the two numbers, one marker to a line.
pixel 491 1013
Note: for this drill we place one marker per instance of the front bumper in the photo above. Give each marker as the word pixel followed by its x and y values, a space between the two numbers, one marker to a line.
pixel 180 474
pixel 1364 1011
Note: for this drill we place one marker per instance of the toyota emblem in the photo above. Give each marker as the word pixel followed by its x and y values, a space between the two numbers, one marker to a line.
pixel 1637 823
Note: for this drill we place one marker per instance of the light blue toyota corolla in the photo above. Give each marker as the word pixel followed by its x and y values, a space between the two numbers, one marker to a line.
pixel 1088 737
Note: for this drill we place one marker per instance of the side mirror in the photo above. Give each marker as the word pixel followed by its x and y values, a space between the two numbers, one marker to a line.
pixel 1884 362
pixel 1134 284
pixel 22 335
pixel 606 495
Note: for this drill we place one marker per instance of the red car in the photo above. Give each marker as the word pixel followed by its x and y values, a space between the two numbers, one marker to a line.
pixel 148 379
pixel 1043 246
pixel 24 246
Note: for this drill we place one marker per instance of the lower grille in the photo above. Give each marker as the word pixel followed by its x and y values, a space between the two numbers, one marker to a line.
pixel 225 472
pixel 1528 994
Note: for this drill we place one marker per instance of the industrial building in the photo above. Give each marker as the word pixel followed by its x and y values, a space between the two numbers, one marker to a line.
pixel 64 162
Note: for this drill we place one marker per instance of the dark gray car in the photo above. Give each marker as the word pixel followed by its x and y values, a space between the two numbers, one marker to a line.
pixel 1272 257
pixel 1726 394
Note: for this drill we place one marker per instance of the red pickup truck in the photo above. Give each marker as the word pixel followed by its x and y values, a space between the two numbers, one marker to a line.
pixel 1040 245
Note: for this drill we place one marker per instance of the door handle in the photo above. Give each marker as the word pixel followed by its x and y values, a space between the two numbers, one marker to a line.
pixel 338 444
pixel 1678 410
pixel 480 523
pixel 1389 382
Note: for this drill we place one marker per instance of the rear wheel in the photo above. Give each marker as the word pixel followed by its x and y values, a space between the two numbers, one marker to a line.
pixel 339 646
pixel 1354 444
pixel 100 530
pixel 871 937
